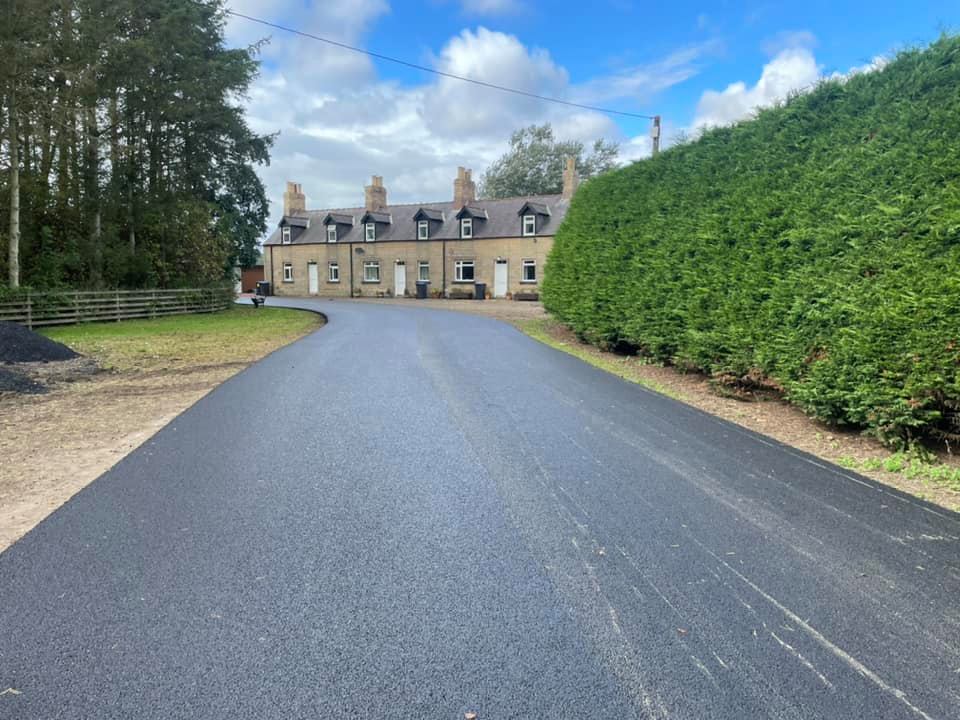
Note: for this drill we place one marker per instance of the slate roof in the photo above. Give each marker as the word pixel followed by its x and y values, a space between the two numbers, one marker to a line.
pixel 428 214
pixel 502 220
pixel 340 218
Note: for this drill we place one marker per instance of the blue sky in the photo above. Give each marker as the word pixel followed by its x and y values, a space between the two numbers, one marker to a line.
pixel 342 117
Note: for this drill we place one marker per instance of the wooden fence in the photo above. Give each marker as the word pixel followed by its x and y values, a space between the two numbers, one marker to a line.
pixel 77 306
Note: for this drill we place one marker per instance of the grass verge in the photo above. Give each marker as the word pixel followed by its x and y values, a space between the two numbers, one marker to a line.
pixel 237 335
pixel 935 478
pixel 550 332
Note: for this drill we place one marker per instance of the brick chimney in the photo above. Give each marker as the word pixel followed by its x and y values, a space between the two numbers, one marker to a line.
pixel 464 189
pixel 294 201
pixel 570 179
pixel 375 194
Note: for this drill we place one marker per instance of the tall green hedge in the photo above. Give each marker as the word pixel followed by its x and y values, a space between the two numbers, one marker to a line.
pixel 816 246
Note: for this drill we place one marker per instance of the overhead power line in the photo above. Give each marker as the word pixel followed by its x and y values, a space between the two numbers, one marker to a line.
pixel 424 68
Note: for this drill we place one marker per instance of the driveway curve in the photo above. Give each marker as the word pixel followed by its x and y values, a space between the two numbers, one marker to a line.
pixel 416 514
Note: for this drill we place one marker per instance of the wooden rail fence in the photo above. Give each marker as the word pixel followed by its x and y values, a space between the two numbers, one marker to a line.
pixel 78 306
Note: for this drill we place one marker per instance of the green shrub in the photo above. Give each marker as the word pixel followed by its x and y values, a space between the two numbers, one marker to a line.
pixel 817 245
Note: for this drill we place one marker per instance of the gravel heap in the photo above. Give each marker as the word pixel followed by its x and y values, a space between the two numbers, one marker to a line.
pixel 17 344
pixel 14 382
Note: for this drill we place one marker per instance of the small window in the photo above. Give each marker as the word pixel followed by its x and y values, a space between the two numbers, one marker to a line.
pixel 288 272
pixel 286 234
pixel 529 274
pixel 371 230
pixel 423 230
pixel 333 272
pixel 463 271
pixel 423 271
pixel 529 225
pixel 371 271
pixel 466 227
pixel 331 233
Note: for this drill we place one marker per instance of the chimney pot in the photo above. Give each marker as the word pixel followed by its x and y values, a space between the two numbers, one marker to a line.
pixel 294 201
pixel 464 189
pixel 375 194
pixel 570 178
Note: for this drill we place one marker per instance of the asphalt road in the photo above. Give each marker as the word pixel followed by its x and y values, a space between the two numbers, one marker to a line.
pixel 415 513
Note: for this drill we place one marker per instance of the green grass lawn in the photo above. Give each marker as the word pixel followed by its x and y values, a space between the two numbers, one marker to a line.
pixel 240 334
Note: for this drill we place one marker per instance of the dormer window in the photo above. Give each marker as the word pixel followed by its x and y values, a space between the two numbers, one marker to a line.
pixel 285 235
pixel 331 233
pixel 370 230
pixel 423 230
pixel 466 227
pixel 529 225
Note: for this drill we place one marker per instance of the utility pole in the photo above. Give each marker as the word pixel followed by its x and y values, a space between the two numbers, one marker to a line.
pixel 655 134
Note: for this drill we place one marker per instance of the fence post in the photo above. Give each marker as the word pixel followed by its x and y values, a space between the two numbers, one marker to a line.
pixel 76 306
pixel 29 312
pixel 116 295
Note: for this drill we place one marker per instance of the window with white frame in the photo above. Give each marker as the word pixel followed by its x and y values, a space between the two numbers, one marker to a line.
pixel 333 272
pixel 529 271
pixel 466 227
pixel 331 233
pixel 371 271
pixel 423 230
pixel 529 225
pixel 371 232
pixel 286 234
pixel 463 271
pixel 423 271
pixel 288 272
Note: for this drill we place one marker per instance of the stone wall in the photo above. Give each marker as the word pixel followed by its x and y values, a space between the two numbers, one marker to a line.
pixel 483 252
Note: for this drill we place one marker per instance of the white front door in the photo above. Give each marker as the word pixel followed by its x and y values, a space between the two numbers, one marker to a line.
pixel 313 279
pixel 500 278
pixel 399 279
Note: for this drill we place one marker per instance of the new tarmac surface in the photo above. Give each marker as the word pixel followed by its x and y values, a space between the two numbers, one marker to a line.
pixel 416 513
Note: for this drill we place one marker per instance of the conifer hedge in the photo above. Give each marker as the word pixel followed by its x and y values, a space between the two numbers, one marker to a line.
pixel 815 248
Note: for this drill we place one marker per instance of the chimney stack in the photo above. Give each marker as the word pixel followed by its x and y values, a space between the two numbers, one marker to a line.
pixel 570 179
pixel 464 189
pixel 375 194
pixel 294 201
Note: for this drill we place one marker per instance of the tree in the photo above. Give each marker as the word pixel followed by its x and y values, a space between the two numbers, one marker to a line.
pixel 129 159
pixel 534 163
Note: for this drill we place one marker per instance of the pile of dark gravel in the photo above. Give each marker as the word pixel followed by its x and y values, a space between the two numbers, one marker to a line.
pixel 17 344
pixel 14 382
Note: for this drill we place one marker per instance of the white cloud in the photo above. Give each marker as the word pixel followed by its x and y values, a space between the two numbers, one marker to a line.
pixel 641 82
pixel 878 63
pixel 455 108
pixel 303 59
pixel 791 70
pixel 339 123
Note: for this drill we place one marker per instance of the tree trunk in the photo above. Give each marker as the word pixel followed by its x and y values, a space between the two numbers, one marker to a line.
pixel 132 231
pixel 13 258
pixel 92 192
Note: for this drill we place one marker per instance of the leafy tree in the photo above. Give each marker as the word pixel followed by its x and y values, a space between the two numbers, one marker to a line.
pixel 534 163
pixel 125 144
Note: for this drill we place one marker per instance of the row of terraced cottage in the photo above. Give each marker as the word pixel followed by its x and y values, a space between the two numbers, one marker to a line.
pixel 382 250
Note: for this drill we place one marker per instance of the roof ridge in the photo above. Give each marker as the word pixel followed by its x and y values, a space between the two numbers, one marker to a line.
pixel 476 201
